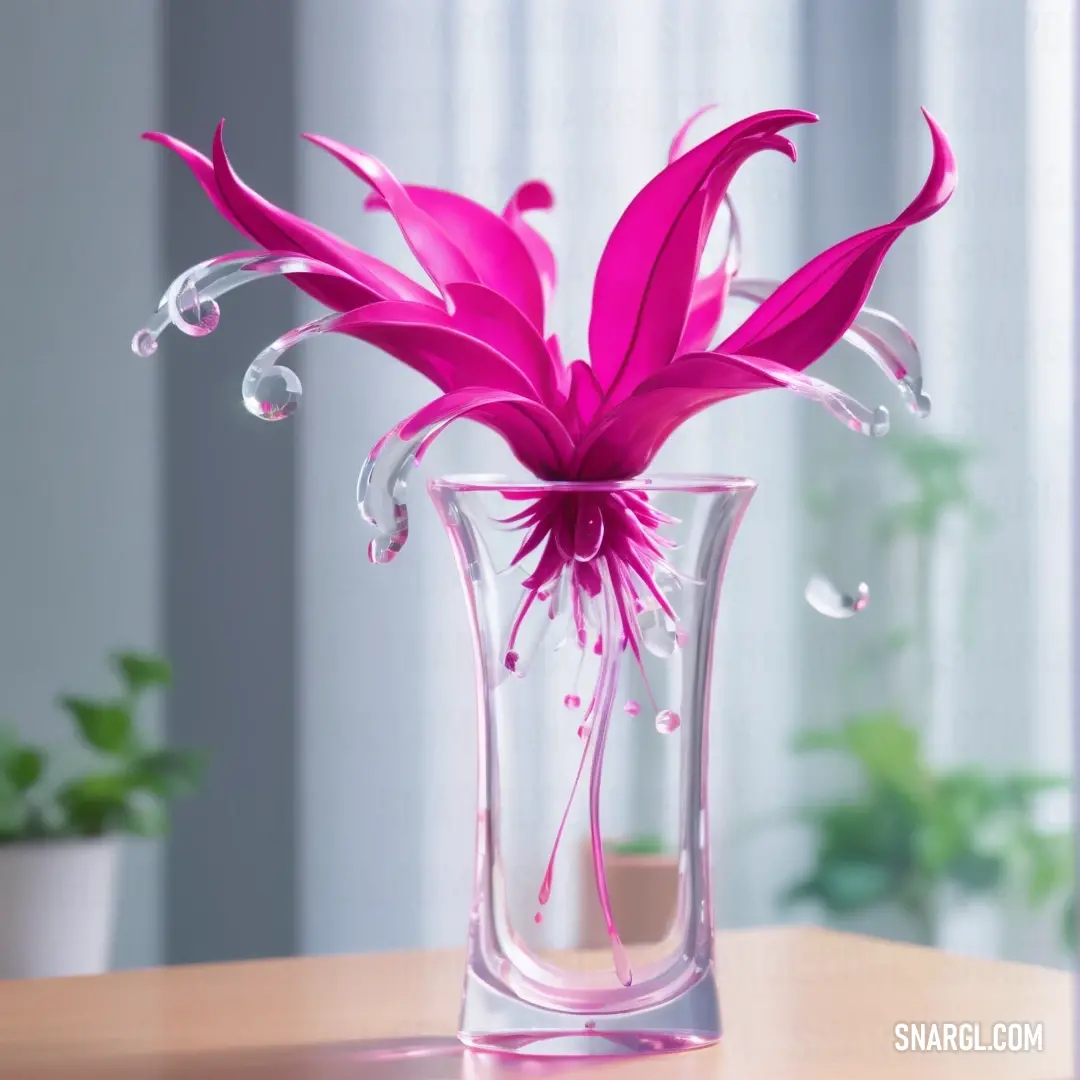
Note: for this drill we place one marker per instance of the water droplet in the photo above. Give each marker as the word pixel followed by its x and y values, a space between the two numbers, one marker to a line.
pixel 631 708
pixel 588 530
pixel 510 660
pixel 273 394
pixel 826 599
pixel 144 343
pixel 667 721
pixel 191 312
pixel 538 918
pixel 572 701
pixel 657 633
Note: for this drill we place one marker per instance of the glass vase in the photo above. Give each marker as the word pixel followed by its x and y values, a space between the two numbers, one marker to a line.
pixel 592 607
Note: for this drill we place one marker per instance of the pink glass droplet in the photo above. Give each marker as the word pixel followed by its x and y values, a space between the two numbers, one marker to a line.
pixel 622 960
pixel 511 660
pixel 538 917
pixel 598 648
pixel 572 701
pixel 667 721
pixel 631 708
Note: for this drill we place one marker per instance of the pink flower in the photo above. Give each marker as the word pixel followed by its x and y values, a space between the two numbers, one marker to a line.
pixel 479 331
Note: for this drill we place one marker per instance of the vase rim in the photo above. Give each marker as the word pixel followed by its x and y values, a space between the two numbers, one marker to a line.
pixel 698 483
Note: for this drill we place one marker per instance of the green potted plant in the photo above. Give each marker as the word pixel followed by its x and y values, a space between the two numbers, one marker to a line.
pixel 643 884
pixel 918 842
pixel 59 835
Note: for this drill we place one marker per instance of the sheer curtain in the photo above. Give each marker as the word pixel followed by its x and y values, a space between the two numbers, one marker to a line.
pixel 479 95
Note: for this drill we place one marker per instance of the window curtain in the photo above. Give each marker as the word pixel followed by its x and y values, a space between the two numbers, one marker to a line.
pixel 479 95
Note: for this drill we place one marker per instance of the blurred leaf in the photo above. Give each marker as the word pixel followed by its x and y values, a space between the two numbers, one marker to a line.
pixel 1051 864
pixel 141 671
pixel 847 887
pixel 148 819
pixel 105 725
pixel 882 745
pixel 975 872
pixel 23 767
pixel 96 804
pixel 169 774
pixel 12 813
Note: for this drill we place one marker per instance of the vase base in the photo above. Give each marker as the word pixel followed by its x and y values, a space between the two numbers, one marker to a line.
pixel 498 1021
pixel 588 1043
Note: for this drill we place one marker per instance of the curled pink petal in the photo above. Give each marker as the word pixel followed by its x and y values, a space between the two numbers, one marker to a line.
pixel 678 143
pixel 534 195
pixel 461 403
pixel 493 248
pixel 485 314
pixel 429 339
pixel 443 261
pixel 274 227
pixel 814 307
pixel 630 435
pixel 646 274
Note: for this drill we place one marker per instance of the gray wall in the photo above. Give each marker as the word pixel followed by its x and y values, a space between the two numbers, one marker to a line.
pixel 230 507
pixel 79 508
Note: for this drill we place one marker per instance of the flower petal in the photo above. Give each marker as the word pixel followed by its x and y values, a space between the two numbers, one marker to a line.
pixel 203 170
pixel 813 308
pixel 533 431
pixel 874 333
pixel 678 143
pixel 443 261
pixel 585 394
pixel 534 195
pixel 624 441
pixel 428 338
pixel 709 299
pixel 483 313
pixel 646 273
pixel 335 293
pixel 495 250
pixel 276 228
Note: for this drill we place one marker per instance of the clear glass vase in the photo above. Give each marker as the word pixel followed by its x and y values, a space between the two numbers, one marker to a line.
pixel 592 608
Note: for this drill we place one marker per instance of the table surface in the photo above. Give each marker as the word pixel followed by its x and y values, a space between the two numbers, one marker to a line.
pixel 798 1003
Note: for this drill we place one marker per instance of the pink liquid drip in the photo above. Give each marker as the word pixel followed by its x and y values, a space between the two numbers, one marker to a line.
pixel 538 918
pixel 605 688
pixel 622 959
pixel 572 701
pixel 583 732
pixel 511 660
pixel 682 636
pixel 631 708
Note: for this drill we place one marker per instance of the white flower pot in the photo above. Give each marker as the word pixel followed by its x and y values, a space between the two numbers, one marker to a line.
pixel 57 907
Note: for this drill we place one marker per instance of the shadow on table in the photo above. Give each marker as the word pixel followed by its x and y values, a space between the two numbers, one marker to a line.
pixel 422 1058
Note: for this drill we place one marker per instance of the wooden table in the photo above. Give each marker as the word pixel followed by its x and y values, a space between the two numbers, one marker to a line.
pixel 798 1003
